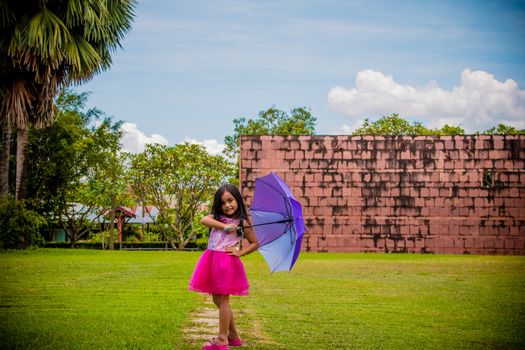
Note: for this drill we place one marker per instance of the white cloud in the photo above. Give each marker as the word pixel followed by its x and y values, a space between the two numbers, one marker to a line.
pixel 478 103
pixel 213 147
pixel 346 129
pixel 133 140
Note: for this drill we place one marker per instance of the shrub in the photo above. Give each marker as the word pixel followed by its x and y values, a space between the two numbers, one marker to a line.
pixel 150 236
pixel 201 243
pixel 78 245
pixel 19 225
pixel 97 237
pixel 132 233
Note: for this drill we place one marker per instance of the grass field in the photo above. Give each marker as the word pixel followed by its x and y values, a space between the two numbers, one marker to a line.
pixel 84 299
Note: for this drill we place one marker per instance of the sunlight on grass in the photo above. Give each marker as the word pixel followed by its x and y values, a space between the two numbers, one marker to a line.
pixel 83 299
pixel 345 301
pixel 56 299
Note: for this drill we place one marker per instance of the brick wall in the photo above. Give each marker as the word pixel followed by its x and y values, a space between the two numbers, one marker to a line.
pixel 448 194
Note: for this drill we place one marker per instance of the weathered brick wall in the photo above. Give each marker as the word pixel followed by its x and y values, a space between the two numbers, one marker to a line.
pixel 448 194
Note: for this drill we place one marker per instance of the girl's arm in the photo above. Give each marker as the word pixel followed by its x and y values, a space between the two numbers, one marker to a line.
pixel 211 222
pixel 253 245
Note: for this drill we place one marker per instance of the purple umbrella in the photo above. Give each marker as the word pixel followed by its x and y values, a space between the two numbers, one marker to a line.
pixel 277 221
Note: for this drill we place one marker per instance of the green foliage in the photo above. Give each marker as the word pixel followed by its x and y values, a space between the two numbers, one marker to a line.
pixel 75 39
pixel 97 237
pixel 76 161
pixel 394 125
pixel 157 245
pixel 103 187
pixel 132 233
pixel 57 155
pixel 271 122
pixel 449 130
pixel 151 236
pixel 45 45
pixel 19 226
pixel 199 229
pixel 503 129
pixel 177 180
pixel 391 125
pixel 202 243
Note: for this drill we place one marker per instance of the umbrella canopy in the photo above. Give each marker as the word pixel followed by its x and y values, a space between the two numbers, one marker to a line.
pixel 277 221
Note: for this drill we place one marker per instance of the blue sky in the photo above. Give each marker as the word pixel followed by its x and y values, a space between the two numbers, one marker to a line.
pixel 188 68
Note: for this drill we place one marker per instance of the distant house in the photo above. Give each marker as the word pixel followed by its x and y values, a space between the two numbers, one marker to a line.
pixel 143 215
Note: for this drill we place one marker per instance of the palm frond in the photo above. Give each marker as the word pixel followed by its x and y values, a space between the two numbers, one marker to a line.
pixel 46 35
pixel 7 17
pixel 48 44
pixel 81 55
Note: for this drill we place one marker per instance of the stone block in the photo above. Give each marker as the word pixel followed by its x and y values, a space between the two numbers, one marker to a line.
pixel 509 243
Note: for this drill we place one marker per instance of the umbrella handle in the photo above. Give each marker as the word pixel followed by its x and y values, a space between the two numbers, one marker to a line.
pixel 270 223
pixel 242 236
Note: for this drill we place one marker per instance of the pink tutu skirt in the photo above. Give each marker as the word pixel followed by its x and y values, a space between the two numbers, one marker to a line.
pixel 219 273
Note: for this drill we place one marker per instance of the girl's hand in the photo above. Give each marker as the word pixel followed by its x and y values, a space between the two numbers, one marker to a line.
pixel 235 251
pixel 230 228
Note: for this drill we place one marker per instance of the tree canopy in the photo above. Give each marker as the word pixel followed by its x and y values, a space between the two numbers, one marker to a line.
pixel 45 45
pixel 396 126
pixel 178 180
pixel 503 129
pixel 77 159
pixel 271 121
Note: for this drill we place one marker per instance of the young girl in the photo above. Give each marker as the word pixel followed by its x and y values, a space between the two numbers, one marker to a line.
pixel 219 270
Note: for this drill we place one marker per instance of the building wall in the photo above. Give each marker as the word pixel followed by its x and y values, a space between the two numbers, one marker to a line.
pixel 428 194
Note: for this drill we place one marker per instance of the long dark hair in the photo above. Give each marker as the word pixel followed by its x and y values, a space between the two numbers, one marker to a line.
pixel 216 209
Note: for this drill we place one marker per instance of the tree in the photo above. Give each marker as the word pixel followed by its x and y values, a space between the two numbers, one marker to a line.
pixel 76 168
pixel 56 155
pixel 45 45
pixel 503 129
pixel 19 225
pixel 177 180
pixel 101 189
pixel 56 160
pixel 107 184
pixel 397 126
pixel 271 122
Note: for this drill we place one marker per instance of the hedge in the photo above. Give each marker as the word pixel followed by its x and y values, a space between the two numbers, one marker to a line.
pixel 126 245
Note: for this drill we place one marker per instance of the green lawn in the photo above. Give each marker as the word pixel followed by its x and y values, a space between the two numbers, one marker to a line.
pixel 86 299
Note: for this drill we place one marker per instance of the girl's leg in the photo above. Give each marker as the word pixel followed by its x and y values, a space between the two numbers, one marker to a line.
pixel 216 300
pixel 225 317
pixel 232 328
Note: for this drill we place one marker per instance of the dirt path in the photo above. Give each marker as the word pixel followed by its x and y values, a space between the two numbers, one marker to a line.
pixel 204 322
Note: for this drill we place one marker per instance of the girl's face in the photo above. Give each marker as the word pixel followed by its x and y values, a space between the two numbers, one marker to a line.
pixel 229 205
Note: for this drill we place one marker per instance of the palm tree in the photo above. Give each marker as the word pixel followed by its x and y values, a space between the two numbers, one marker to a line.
pixel 46 44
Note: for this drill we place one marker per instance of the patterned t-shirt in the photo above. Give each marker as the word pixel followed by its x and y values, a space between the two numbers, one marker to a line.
pixel 220 239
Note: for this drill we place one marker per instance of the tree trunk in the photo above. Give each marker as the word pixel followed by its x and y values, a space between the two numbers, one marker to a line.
pixel 4 160
pixel 111 233
pixel 142 223
pixel 21 143
pixel 73 238
pixel 112 224
pixel 172 243
pixel 102 238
